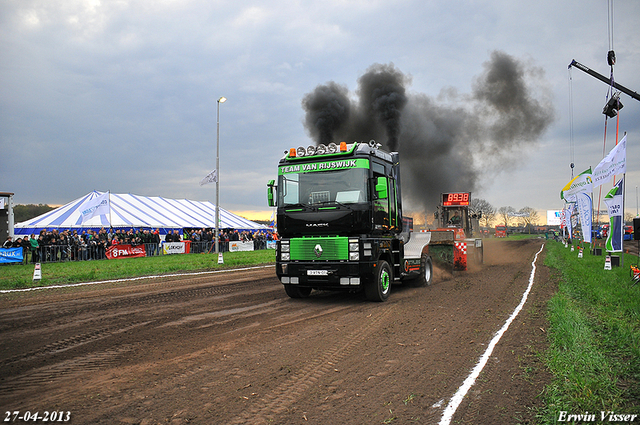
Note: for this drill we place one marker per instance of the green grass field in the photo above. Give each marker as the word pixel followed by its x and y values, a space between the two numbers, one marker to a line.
pixel 21 276
pixel 594 336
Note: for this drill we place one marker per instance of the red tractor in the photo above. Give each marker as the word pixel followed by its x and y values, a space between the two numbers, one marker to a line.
pixel 453 216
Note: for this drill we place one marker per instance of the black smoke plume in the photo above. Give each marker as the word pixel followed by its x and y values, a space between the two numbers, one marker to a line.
pixel 328 108
pixel 382 97
pixel 450 143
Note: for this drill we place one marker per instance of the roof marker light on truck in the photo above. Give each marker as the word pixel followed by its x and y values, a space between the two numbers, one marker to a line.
pixel 321 149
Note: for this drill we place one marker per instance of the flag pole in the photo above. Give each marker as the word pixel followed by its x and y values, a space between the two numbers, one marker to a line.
pixel 624 197
pixel 110 222
pixel 591 236
pixel 590 224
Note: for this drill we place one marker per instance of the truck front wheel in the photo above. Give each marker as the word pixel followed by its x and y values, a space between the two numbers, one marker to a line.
pixel 297 292
pixel 379 287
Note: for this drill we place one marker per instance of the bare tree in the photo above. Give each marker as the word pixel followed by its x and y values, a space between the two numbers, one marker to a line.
pixel 483 208
pixel 504 214
pixel 628 218
pixel 529 217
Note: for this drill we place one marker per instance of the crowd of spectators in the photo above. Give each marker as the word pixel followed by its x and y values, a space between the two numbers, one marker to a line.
pixel 51 245
pixel 225 236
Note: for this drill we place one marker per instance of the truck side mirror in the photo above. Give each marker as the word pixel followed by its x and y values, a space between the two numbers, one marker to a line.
pixel 381 188
pixel 271 190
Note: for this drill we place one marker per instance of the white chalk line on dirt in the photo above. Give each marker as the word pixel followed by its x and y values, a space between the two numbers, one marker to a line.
pixel 131 279
pixel 471 379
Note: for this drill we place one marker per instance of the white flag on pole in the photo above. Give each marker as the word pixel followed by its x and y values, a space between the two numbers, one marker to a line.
pixel 614 163
pixel 583 182
pixel 95 206
pixel 568 212
pixel 212 177
pixel 584 210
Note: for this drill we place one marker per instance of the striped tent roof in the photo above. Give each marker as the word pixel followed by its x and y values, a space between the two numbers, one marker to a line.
pixel 134 211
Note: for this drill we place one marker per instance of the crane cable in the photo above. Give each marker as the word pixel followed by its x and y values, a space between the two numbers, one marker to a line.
pixel 611 60
pixel 571 145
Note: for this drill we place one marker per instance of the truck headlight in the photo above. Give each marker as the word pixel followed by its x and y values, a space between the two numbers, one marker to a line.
pixel 284 247
pixel 284 256
pixel 354 250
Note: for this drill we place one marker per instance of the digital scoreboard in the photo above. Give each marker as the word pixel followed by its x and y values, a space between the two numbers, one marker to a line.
pixel 456 198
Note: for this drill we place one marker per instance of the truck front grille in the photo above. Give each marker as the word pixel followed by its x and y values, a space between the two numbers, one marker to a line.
pixel 320 249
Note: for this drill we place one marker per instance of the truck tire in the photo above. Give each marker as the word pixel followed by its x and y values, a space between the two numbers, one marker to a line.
pixel 379 287
pixel 295 291
pixel 426 272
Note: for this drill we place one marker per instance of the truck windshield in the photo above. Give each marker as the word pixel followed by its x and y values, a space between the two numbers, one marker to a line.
pixel 314 188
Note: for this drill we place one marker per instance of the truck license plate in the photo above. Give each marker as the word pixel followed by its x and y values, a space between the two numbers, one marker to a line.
pixel 317 272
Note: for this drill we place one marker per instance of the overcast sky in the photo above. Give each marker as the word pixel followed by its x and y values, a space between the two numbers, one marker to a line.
pixel 121 95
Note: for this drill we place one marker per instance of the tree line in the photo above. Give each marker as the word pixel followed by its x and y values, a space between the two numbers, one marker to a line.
pixel 27 212
pixel 509 216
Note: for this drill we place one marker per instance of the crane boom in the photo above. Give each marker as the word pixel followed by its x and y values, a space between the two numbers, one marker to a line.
pixel 604 79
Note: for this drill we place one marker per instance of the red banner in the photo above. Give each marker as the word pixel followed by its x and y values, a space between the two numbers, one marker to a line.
pixel 125 251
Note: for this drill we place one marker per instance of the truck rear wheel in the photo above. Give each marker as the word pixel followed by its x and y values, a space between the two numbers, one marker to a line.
pixel 426 272
pixel 297 292
pixel 379 287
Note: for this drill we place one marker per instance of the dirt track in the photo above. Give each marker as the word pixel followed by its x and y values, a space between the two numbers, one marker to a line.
pixel 232 348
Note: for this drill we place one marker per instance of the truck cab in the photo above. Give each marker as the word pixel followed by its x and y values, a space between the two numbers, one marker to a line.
pixel 340 223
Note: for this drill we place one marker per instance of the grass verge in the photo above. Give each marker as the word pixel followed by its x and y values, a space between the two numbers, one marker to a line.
pixel 594 337
pixel 21 276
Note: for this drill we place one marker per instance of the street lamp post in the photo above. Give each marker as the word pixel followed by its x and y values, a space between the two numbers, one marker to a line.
pixel 221 100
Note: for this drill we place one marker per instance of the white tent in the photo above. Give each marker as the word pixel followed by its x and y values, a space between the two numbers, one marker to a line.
pixel 132 211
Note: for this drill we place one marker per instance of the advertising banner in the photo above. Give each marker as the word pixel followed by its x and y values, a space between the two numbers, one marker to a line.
pixel 583 182
pixel 568 212
pixel 616 228
pixel 554 217
pixel 11 255
pixel 614 163
pixel 584 209
pixel 235 246
pixel 173 248
pixel 125 251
